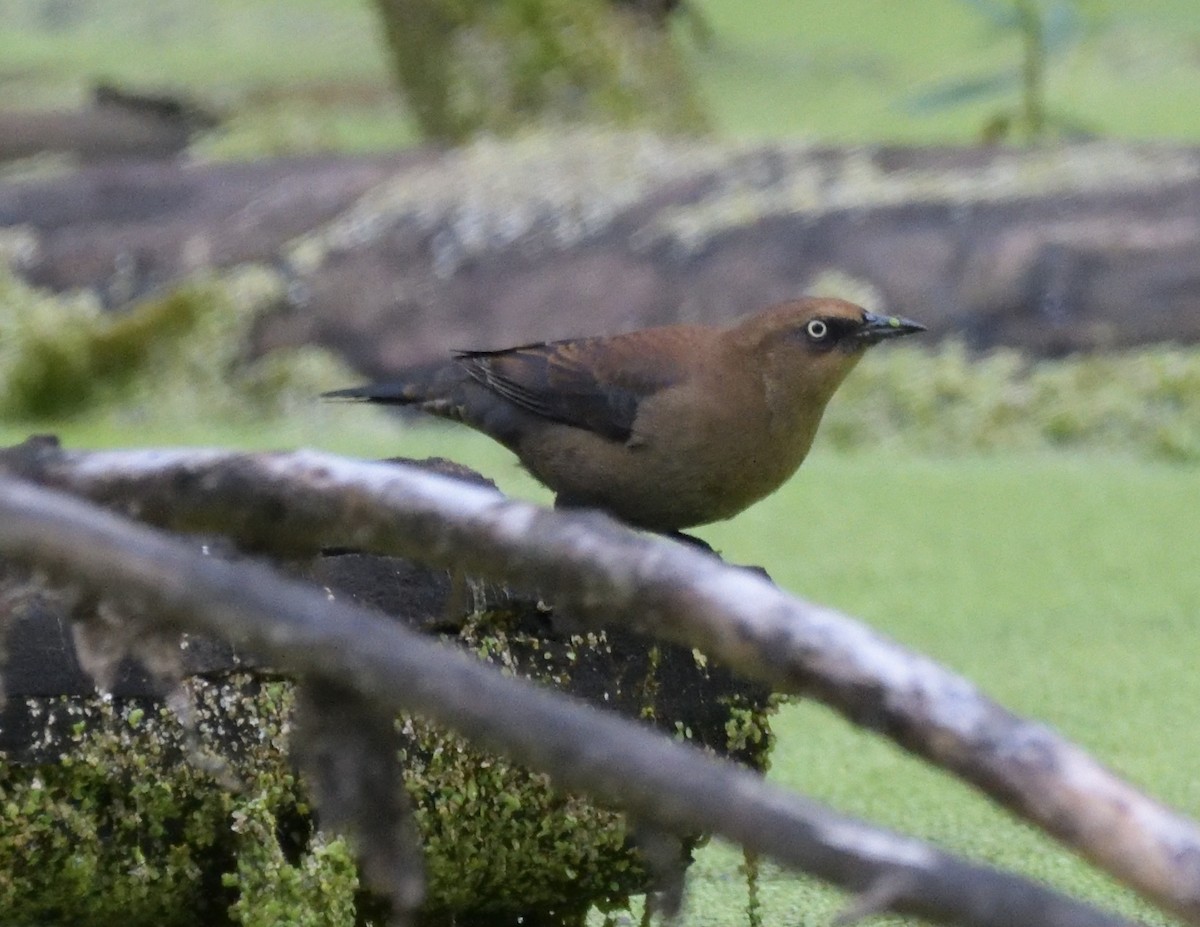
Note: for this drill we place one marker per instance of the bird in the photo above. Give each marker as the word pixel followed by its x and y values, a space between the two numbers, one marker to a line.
pixel 665 428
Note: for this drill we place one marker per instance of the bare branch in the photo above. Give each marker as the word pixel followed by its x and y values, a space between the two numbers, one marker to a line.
pixel 347 748
pixel 304 500
pixel 620 762
pixel 875 900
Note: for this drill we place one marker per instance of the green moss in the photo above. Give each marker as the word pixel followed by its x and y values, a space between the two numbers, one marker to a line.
pixel 649 689
pixel 43 348
pixel 500 839
pixel 126 801
pixel 317 891
pixel 749 728
pixel 750 869
pixel 116 804
pixel 1142 401
pixel 176 356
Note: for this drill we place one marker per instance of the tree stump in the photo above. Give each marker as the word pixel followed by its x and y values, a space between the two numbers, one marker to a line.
pixel 186 806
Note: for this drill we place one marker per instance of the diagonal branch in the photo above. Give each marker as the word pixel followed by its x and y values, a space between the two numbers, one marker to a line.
pixel 620 762
pixel 301 501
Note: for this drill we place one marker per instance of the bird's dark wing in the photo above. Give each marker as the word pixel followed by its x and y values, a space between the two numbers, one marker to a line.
pixel 596 384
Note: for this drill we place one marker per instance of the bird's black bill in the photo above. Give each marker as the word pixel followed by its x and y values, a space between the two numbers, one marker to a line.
pixel 878 327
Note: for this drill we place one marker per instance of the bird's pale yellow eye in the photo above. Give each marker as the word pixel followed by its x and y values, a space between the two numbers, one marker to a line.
pixel 816 329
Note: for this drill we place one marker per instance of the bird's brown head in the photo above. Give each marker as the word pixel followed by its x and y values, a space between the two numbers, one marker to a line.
pixel 806 348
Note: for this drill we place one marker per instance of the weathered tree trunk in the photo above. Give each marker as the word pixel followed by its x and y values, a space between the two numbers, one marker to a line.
pixel 468 66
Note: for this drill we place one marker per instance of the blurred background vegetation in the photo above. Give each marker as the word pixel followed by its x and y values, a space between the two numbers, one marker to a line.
pixel 1030 523
pixel 307 75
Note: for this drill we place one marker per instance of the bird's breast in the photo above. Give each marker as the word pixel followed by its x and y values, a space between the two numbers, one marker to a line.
pixel 695 456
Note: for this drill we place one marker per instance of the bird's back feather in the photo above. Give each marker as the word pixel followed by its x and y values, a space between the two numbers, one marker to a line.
pixel 596 384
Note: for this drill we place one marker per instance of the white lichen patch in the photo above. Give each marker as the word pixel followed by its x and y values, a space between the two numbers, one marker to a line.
pixel 791 181
pixel 552 190
pixel 19 246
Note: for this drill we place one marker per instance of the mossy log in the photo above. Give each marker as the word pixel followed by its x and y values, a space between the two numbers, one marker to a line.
pixel 186 805
pixel 349 658
pixel 390 259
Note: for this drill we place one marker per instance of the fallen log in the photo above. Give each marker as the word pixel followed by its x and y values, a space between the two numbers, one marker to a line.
pixel 390 259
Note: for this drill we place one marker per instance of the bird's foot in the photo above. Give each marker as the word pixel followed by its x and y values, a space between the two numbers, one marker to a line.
pixel 693 541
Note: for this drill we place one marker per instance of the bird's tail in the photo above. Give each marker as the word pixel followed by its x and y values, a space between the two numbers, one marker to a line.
pixel 436 389
pixel 400 393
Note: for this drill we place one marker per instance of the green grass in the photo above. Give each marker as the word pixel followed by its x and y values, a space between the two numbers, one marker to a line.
pixel 1065 585
pixel 289 75
pixel 847 72
pixel 305 75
